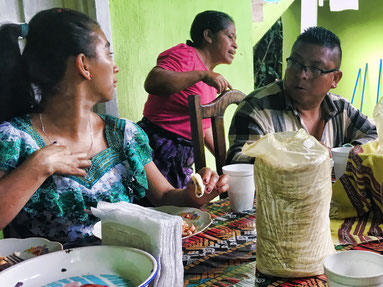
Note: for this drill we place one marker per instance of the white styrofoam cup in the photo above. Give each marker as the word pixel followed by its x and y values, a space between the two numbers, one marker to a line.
pixel 241 186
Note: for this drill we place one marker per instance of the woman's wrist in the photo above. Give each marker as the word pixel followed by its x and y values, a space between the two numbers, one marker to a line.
pixel 203 75
pixel 39 165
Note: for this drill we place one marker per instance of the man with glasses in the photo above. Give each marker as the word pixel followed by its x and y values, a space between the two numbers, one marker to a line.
pixel 302 100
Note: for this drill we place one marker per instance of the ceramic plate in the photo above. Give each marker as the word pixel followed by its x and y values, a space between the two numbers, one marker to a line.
pixel 102 265
pixel 200 219
pixel 29 247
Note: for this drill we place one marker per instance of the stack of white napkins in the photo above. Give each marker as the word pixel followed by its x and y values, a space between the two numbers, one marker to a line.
pixel 160 234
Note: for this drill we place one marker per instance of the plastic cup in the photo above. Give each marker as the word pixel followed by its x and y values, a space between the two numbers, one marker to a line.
pixel 241 186
pixel 340 156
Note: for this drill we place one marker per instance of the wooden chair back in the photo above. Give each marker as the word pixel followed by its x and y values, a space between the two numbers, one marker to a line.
pixel 215 111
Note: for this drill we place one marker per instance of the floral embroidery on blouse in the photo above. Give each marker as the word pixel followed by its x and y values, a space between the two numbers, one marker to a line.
pixel 56 210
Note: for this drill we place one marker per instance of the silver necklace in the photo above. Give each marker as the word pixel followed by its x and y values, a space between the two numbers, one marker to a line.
pixel 90 129
pixel 43 129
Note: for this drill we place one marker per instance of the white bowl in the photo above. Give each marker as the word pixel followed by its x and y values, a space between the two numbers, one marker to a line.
pixel 103 265
pixel 354 268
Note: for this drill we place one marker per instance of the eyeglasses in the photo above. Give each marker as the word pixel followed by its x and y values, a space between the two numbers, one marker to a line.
pixel 310 71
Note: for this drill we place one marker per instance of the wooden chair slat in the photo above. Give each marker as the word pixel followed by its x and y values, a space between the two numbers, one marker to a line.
pixel 215 111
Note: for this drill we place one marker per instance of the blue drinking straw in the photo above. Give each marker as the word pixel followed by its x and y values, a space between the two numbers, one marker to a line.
pixel 364 84
pixel 380 72
pixel 356 84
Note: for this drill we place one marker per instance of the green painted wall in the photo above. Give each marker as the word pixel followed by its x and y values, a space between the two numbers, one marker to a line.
pixel 291 21
pixel 360 35
pixel 143 29
pixel 271 13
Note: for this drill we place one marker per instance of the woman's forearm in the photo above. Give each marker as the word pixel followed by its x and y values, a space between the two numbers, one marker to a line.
pixel 160 192
pixel 165 83
pixel 17 187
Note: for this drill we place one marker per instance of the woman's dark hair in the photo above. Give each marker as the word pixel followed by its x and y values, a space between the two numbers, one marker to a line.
pixel 53 36
pixel 215 21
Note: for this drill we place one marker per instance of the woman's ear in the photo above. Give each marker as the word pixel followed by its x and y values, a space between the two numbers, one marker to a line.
pixel 208 36
pixel 82 65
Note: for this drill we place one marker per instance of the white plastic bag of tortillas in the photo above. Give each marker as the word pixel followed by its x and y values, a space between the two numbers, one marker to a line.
pixel 378 119
pixel 292 176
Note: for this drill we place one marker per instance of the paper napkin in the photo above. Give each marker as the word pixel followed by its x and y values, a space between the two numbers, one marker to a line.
pixel 160 234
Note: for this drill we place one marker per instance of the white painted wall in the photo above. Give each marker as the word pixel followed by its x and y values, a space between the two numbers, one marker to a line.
pixel 19 11
pixel 309 14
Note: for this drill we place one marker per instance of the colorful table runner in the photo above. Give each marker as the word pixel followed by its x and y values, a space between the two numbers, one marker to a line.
pixel 224 254
pixel 357 202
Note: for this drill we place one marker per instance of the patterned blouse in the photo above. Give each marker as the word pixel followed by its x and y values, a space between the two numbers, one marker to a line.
pixel 56 210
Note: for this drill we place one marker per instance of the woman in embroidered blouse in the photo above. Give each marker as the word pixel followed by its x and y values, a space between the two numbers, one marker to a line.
pixel 57 157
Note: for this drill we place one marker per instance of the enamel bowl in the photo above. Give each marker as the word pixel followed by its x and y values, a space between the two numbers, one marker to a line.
pixel 102 265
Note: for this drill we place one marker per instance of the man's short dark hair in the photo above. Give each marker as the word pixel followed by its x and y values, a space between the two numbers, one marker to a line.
pixel 322 37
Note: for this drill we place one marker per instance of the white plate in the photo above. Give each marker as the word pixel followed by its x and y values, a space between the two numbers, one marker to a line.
pixel 28 247
pixel 200 219
pixel 103 265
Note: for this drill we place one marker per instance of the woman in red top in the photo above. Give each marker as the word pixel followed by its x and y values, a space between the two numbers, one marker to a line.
pixel 181 71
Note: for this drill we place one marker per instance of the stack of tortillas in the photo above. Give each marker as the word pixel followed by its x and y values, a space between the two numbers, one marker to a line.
pixel 292 176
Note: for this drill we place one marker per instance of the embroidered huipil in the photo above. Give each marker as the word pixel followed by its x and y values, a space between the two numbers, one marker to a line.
pixel 56 210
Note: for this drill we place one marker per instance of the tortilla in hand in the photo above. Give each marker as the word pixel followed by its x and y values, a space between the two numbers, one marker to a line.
pixel 199 187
